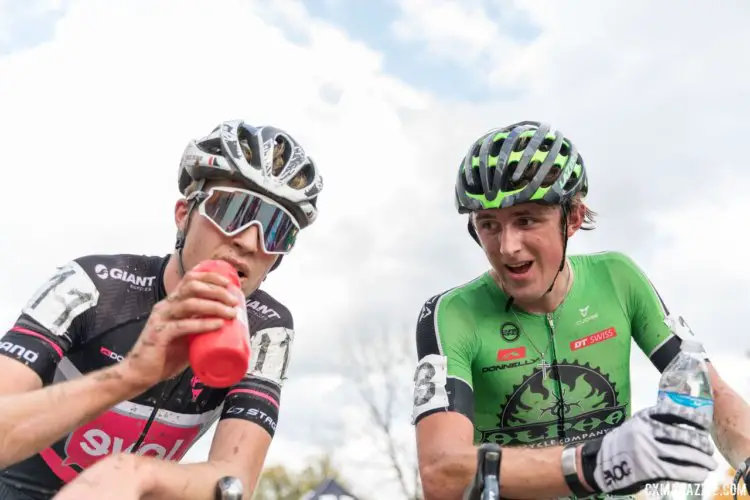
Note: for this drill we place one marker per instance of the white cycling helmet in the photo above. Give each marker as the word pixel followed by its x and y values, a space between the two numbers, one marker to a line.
pixel 265 159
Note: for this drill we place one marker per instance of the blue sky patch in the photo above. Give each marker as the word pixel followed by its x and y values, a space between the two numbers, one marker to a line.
pixel 27 25
pixel 370 22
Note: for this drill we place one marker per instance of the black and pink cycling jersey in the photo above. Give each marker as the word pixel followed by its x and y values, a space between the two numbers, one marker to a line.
pixel 87 316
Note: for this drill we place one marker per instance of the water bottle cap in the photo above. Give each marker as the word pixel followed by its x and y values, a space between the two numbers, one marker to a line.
pixel 691 345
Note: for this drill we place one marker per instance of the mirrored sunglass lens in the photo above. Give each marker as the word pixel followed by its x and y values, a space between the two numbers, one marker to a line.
pixel 227 210
pixel 235 210
pixel 280 234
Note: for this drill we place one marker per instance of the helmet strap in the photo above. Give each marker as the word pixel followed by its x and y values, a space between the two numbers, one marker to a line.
pixel 182 233
pixel 564 229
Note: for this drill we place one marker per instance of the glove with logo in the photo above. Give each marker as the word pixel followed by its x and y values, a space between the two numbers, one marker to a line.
pixel 666 442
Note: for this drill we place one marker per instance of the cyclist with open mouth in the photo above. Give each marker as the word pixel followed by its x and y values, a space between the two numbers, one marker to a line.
pixel 534 355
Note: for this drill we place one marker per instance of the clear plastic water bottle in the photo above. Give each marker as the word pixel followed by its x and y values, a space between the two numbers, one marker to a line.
pixel 685 381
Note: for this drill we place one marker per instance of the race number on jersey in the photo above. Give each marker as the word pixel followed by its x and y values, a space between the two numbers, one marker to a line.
pixel 430 380
pixel 270 353
pixel 68 293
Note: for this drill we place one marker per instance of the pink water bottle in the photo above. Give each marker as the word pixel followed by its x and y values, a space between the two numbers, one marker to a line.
pixel 220 358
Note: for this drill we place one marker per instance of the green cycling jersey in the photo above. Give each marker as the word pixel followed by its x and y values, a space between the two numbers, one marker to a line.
pixel 538 380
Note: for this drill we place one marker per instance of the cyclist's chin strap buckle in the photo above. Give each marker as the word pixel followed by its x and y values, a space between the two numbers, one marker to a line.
pixel 742 474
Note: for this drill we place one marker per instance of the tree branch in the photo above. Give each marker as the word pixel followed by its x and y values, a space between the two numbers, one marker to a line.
pixel 376 365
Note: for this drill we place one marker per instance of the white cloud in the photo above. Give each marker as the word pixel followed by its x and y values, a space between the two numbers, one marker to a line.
pixel 98 116
pixel 712 227
pixel 33 15
pixel 129 104
pixel 459 30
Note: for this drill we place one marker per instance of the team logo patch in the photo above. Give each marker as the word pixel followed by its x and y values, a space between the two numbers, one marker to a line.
pixel 511 354
pixel 580 396
pixel 510 332
pixel 594 338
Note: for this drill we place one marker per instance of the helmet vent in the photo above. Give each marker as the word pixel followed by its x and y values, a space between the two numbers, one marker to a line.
pixel 521 144
pixel 281 153
pixel 475 187
pixel 246 151
pixel 302 178
pixel 551 176
pixel 496 147
pixel 211 146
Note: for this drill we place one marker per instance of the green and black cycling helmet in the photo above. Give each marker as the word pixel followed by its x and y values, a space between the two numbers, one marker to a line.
pixel 524 162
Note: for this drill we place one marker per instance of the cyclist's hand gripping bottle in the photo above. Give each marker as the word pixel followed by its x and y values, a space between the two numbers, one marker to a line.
pixel 220 358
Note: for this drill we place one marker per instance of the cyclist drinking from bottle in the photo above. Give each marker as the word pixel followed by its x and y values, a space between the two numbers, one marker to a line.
pixel 534 354
pixel 96 390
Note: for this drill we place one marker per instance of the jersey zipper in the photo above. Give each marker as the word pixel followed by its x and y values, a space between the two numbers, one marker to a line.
pixel 558 383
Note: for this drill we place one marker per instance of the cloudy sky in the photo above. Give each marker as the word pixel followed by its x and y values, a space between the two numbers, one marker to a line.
pixel 98 99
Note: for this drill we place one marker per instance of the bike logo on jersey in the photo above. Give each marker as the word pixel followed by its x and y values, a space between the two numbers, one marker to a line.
pixel 427 308
pixel 585 318
pixel 588 406
pixel 263 310
pixel 510 332
pixel 594 338
pixel 18 351
pixel 138 282
pixel 511 354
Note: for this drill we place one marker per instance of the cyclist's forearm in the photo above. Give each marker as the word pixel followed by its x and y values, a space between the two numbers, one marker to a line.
pixel 32 421
pixel 448 477
pixel 524 473
pixel 731 429
pixel 172 481
pixel 535 473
